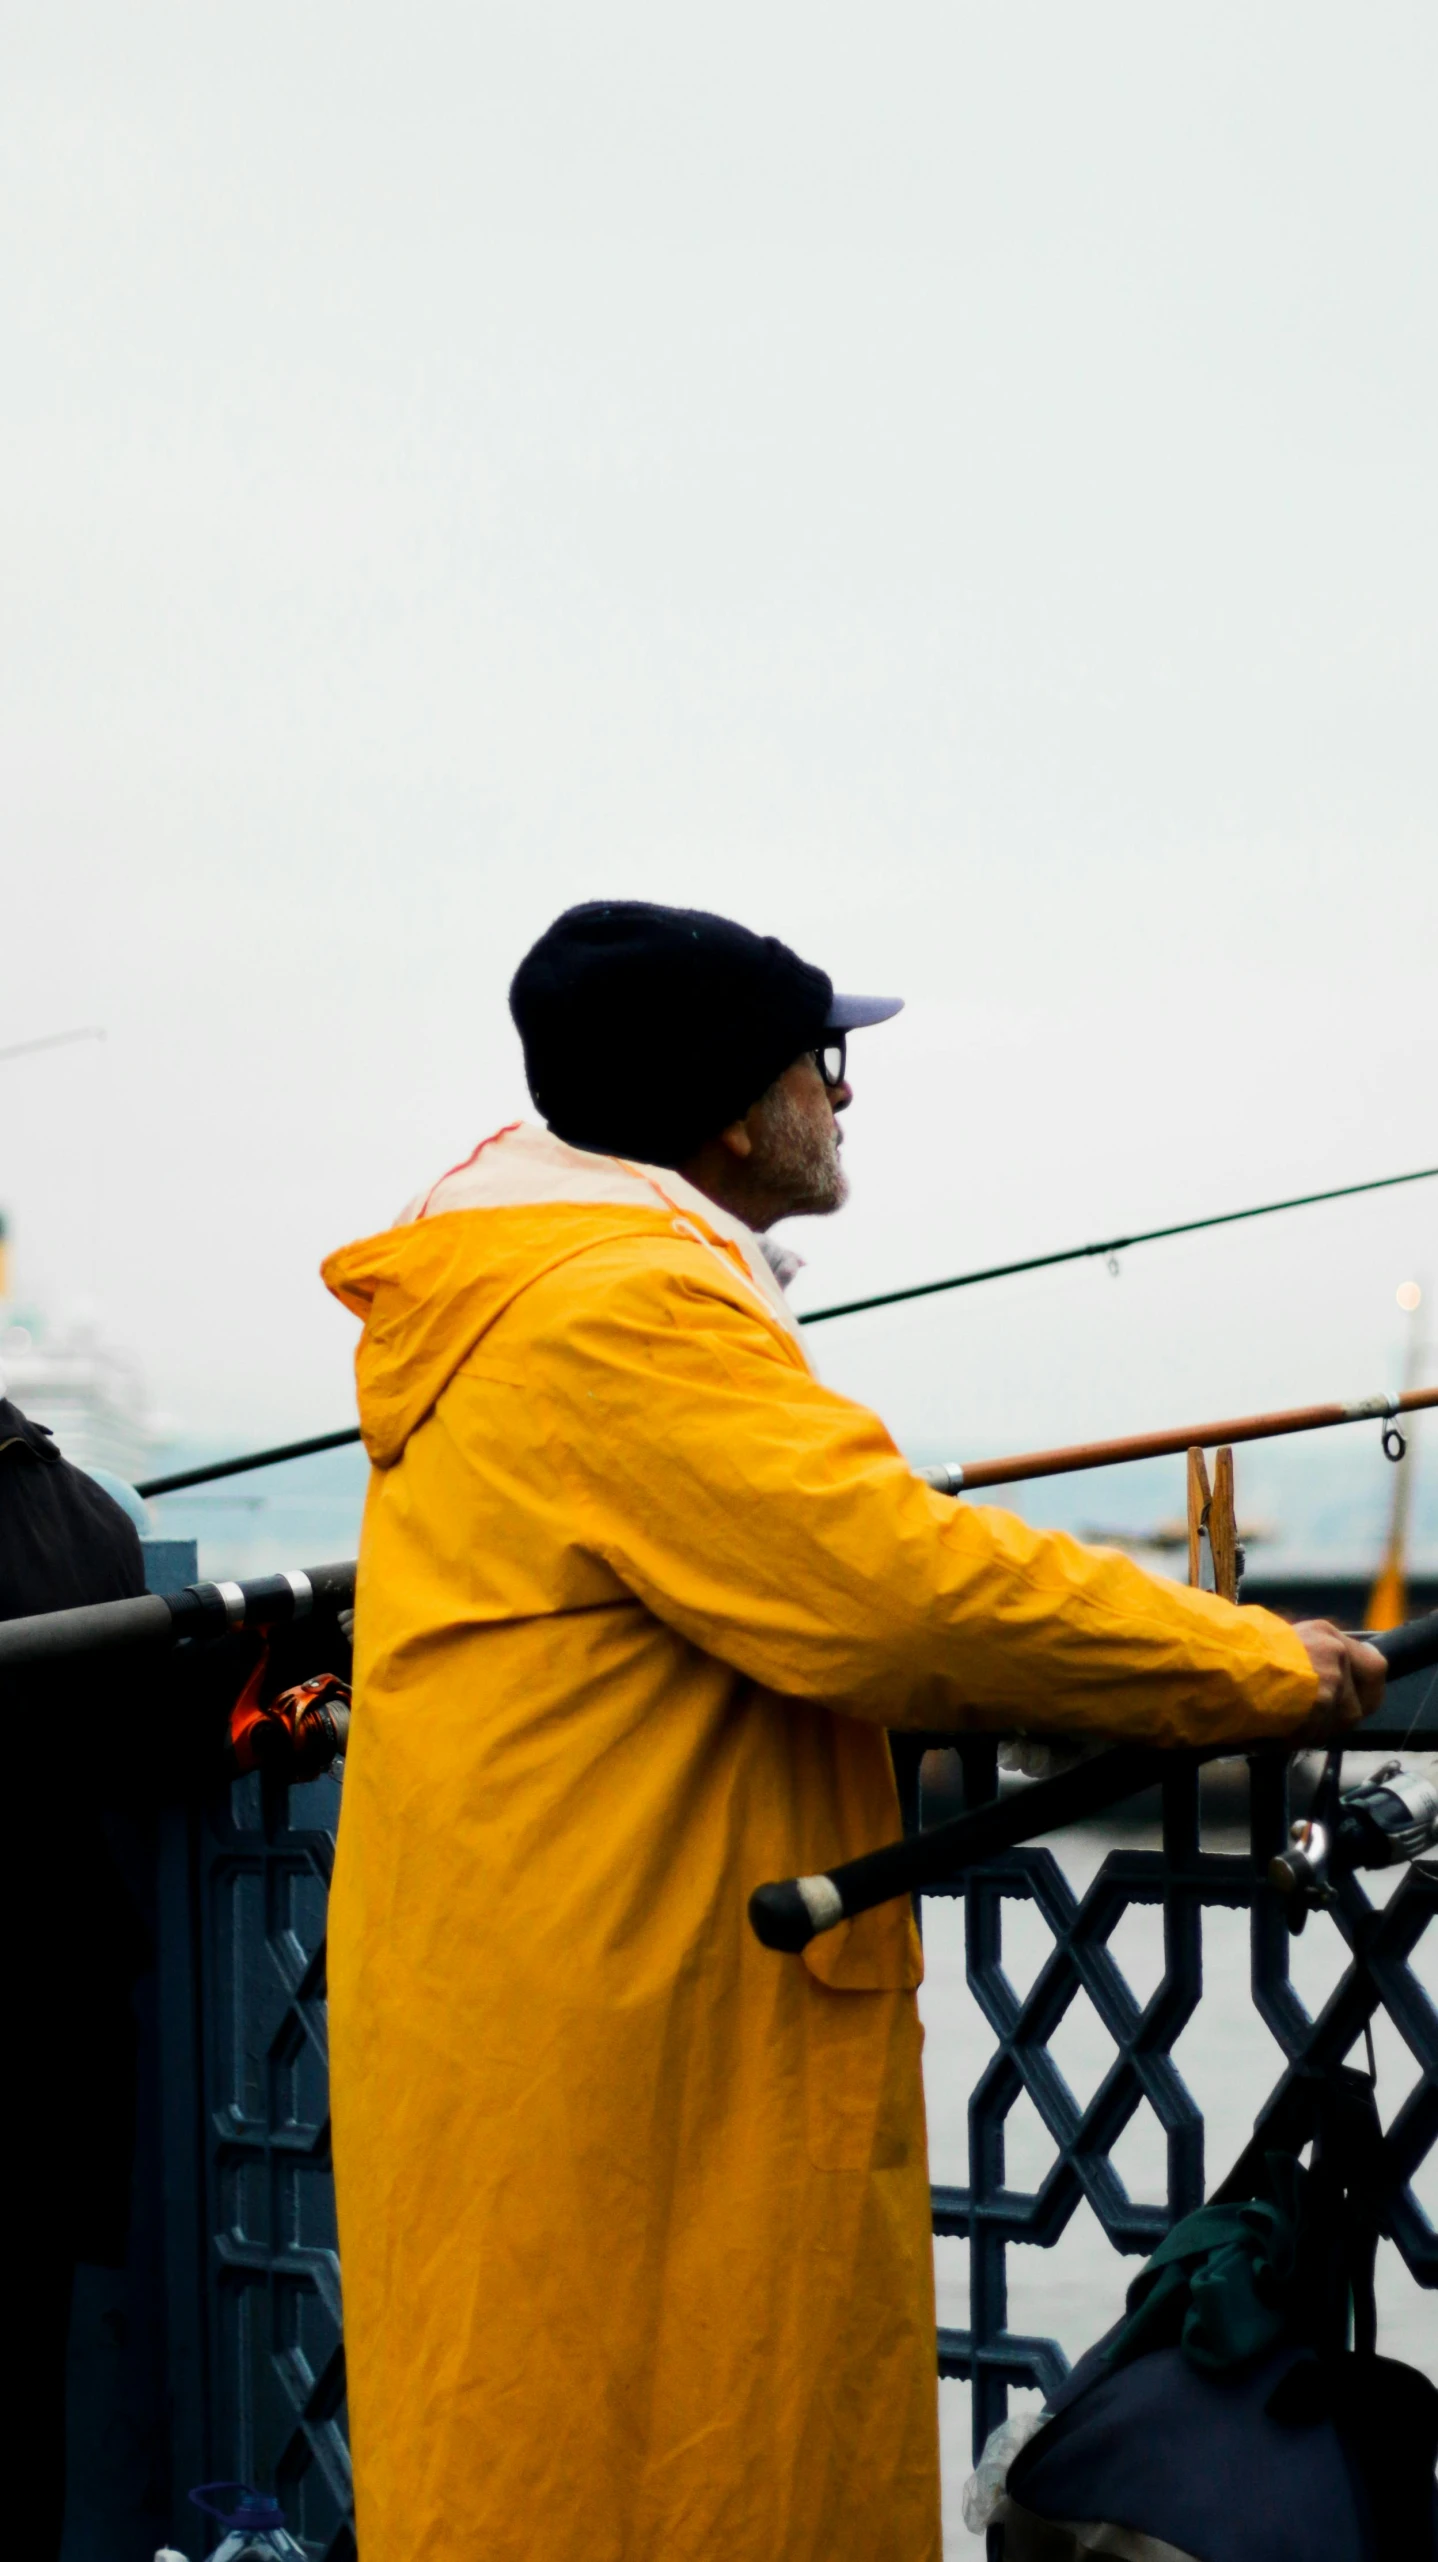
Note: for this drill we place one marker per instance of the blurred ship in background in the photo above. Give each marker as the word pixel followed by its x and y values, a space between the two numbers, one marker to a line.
pixel 70 1376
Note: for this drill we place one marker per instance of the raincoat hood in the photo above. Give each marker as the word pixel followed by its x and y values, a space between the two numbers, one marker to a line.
pixel 429 1289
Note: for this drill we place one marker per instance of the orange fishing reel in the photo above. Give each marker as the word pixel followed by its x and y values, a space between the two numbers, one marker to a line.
pixel 297 1735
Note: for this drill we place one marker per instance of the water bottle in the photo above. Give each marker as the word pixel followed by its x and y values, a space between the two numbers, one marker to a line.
pixel 254 2524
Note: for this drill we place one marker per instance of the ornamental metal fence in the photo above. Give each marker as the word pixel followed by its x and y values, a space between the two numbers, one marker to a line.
pixel 1180 1880
pixel 253 2278
pixel 257 2357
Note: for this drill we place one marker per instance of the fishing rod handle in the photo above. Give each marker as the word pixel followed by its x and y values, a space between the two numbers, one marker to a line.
pixel 791 1911
pixel 158 1620
pixel 794 1910
pixel 1411 1648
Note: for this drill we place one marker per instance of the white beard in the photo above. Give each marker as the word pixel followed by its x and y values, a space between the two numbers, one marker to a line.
pixel 801 1158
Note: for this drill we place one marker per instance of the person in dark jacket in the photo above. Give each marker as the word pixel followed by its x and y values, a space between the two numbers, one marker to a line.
pixel 77 1943
pixel 63 1540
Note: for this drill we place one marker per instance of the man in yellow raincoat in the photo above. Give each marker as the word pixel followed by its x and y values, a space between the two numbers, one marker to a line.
pixel 634 2215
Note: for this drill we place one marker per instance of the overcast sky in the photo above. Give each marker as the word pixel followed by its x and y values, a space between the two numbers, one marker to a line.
pixel 956 487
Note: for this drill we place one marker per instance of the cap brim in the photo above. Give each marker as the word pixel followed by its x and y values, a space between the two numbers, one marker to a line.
pixel 851 1013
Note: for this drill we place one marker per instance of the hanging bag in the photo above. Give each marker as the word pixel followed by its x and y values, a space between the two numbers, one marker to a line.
pixel 1240 2412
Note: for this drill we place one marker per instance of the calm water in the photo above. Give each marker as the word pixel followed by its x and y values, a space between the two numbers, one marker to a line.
pixel 1230 2063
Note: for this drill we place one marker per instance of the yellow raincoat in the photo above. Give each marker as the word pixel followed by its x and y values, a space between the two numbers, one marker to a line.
pixel 634 2214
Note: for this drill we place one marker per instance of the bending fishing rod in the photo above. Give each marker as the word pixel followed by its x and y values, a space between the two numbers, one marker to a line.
pixel 1108 1246
pixel 794 1910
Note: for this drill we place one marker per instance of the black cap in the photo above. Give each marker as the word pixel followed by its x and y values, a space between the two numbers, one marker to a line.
pixel 647 1030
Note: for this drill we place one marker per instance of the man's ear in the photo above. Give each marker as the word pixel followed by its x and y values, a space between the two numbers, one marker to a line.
pixel 738 1139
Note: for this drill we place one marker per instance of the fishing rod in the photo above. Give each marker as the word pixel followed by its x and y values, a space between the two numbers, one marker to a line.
pixel 157 1619
pixel 52 1041
pixel 252 1459
pixel 789 1913
pixel 952 1476
pixel 1109 1246
pixel 214 1469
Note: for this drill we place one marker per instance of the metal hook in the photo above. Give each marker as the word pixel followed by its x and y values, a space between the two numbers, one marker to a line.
pixel 1113 1267
pixel 1394 1445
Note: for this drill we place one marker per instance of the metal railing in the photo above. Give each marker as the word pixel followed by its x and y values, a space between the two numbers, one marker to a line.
pixel 244 2270
pixel 254 2280
pixel 1181 1880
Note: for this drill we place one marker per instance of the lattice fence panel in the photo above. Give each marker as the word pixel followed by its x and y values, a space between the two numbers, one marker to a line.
pixel 275 2391
pixel 1181 1880
pixel 273 2298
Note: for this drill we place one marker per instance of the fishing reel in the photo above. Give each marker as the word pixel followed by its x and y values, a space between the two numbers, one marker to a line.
pixel 297 1736
pixel 1384 1821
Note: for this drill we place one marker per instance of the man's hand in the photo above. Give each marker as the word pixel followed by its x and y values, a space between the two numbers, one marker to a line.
pixel 1351 1678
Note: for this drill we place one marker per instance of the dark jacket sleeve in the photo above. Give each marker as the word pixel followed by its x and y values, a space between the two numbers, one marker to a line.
pixel 63 1540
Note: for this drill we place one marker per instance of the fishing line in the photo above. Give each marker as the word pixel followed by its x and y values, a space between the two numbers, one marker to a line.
pixel 1419 1713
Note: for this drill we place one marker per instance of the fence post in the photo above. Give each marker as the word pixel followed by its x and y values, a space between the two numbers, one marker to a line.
pixel 179 2115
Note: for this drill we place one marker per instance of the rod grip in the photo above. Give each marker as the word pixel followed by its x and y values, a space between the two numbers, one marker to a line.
pixel 790 1911
pixel 780 1918
pixel 1411 1648
pixel 158 1620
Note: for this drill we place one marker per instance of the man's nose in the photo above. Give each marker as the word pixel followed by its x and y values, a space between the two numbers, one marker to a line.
pixel 840 1096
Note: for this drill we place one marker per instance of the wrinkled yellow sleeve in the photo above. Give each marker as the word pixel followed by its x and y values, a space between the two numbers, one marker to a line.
pixel 775 1525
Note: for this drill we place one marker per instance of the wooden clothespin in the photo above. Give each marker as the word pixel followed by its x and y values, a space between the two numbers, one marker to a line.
pixel 1212 1527
pixel 1199 1498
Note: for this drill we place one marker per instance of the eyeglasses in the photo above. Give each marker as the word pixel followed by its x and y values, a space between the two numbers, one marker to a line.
pixel 830 1057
